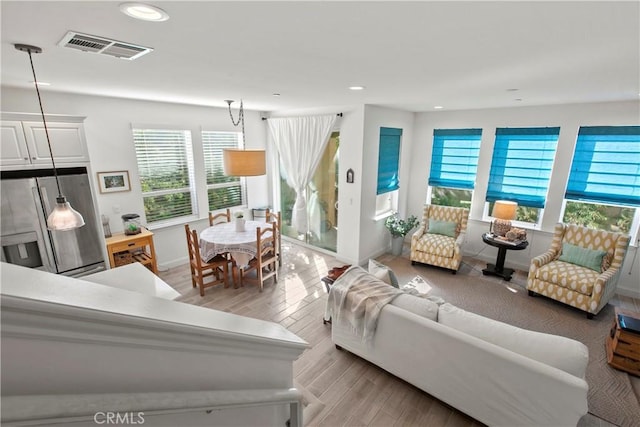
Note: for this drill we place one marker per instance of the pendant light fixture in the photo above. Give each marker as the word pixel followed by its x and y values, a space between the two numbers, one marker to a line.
pixel 63 217
pixel 239 162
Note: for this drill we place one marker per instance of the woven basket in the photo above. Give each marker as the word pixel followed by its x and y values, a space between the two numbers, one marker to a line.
pixel 123 258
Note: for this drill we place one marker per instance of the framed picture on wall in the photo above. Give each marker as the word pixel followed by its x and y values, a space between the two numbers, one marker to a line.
pixel 113 182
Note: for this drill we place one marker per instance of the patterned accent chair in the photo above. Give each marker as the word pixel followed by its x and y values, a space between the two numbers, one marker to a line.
pixel 438 249
pixel 574 284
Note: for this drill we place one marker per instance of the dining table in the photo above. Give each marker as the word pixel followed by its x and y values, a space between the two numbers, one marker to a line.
pixel 224 238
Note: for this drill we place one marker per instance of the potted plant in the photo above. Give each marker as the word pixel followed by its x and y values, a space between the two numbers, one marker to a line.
pixel 239 216
pixel 399 229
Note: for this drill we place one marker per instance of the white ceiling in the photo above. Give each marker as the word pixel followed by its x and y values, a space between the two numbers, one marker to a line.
pixel 409 55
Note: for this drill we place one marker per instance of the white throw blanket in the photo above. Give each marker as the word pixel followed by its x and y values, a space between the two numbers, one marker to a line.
pixel 357 297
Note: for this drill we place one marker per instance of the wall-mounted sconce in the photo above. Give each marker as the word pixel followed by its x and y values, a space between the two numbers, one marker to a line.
pixel 349 176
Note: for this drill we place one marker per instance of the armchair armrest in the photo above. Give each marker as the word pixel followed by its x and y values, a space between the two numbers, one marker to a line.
pixel 543 259
pixel 603 289
pixel 418 233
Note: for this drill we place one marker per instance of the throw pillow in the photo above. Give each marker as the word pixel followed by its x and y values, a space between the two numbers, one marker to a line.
pixel 382 272
pixel 416 305
pixel 589 258
pixel 446 228
pixel 560 352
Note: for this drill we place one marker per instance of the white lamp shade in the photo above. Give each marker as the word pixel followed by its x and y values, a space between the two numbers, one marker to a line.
pixel 504 209
pixel 244 162
pixel 64 218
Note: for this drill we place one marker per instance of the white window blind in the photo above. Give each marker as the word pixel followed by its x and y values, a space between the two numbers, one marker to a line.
pixel 222 191
pixel 165 167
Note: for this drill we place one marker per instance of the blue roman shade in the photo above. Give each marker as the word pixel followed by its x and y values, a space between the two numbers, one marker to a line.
pixel 521 165
pixel 454 161
pixel 606 166
pixel 388 160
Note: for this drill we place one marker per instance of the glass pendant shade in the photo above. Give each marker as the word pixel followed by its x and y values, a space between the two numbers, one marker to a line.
pixel 64 217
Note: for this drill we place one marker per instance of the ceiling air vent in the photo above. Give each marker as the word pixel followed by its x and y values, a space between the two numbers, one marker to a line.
pixel 102 45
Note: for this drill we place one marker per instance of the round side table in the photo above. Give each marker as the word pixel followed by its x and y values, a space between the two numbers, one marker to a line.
pixel 503 246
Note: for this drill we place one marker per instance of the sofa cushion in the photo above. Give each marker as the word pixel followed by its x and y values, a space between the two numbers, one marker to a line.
pixel 382 272
pixel 563 353
pixel 589 258
pixel 567 275
pixel 436 244
pixel 446 228
pixel 420 306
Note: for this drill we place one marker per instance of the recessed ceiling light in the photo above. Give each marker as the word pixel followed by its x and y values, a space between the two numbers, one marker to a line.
pixel 356 87
pixel 518 99
pixel 41 83
pixel 512 90
pixel 276 94
pixel 145 12
pixel 438 107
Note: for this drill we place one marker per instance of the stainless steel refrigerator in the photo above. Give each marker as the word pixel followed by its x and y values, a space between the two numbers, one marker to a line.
pixel 28 196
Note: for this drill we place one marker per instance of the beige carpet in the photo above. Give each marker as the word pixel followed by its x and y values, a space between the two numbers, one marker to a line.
pixel 611 395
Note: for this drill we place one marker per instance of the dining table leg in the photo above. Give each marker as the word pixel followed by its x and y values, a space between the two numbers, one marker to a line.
pixel 236 275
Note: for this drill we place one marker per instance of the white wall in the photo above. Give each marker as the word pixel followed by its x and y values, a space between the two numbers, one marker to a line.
pixel 569 118
pixel 375 239
pixel 350 195
pixel 108 130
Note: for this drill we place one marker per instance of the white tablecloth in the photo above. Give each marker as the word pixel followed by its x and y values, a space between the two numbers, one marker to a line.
pixel 223 238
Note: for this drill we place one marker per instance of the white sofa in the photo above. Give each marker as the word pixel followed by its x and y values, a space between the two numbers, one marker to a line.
pixel 496 373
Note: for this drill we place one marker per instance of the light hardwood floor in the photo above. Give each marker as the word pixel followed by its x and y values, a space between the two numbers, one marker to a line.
pixel 349 390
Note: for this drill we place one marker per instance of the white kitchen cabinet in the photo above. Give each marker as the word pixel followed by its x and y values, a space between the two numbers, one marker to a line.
pixel 24 143
pixel 14 147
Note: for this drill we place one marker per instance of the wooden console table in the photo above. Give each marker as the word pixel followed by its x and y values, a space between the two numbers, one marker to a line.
pixel 125 249
pixel 623 347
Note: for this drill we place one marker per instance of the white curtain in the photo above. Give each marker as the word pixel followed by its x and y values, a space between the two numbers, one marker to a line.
pixel 300 142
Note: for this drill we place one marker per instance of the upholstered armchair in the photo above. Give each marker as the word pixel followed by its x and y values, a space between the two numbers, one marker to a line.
pixel 580 269
pixel 439 239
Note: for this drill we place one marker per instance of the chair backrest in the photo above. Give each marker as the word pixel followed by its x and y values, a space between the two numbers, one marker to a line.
pixel 276 220
pixel 447 213
pixel 615 244
pixel 193 245
pixel 265 242
pixel 219 217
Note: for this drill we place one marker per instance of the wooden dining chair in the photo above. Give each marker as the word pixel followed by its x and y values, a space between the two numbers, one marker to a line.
pixel 265 261
pixel 274 218
pixel 219 217
pixel 218 267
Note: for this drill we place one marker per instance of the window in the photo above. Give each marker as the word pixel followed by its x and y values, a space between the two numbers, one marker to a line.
pixel 451 197
pixel 388 167
pixel 165 166
pixel 521 168
pixel 388 160
pixel 454 163
pixel 604 183
pixel 222 191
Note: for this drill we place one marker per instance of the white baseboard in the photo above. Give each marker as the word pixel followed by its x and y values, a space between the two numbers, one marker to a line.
pixel 633 293
pixel 174 263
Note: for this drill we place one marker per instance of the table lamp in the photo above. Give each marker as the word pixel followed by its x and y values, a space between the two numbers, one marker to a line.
pixel 503 212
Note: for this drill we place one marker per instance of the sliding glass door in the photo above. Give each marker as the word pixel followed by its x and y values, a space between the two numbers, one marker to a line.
pixel 322 201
